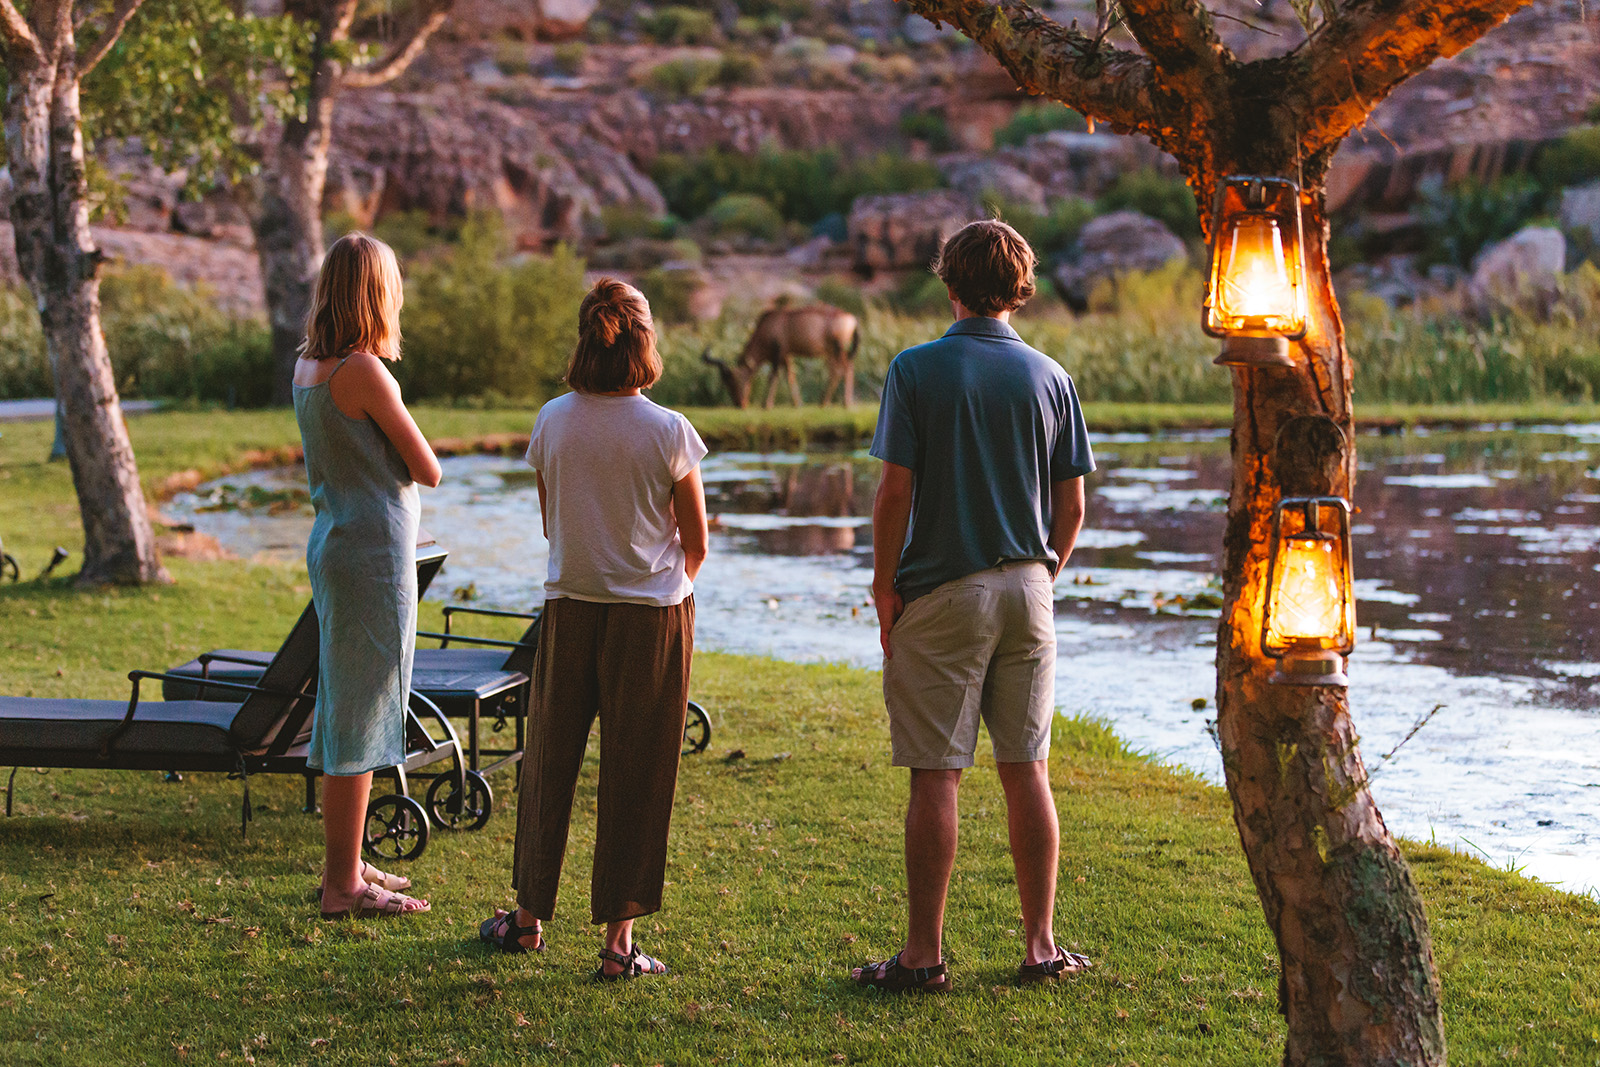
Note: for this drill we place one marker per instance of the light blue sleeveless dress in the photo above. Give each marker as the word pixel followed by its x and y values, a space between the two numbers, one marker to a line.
pixel 362 558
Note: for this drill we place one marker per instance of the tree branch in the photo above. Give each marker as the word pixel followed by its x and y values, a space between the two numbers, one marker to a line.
pixel 18 34
pixel 1359 57
pixel 1179 36
pixel 118 22
pixel 430 14
pixel 1122 89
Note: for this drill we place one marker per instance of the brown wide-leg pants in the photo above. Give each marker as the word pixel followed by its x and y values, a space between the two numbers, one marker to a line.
pixel 628 663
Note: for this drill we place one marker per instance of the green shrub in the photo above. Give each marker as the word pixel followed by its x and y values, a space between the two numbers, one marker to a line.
pixel 929 126
pixel 745 215
pixel 1573 159
pixel 686 76
pixel 1461 218
pixel 677 24
pixel 168 340
pixel 569 57
pixel 165 341
pixel 622 222
pixel 1038 118
pixel 24 370
pixel 805 186
pixel 843 293
pixel 478 322
pixel 670 291
pixel 1151 193
pixel 1052 232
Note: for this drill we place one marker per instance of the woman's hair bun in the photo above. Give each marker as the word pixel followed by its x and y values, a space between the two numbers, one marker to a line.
pixel 610 308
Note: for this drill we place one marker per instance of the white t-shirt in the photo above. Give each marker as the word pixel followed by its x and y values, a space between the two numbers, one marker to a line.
pixel 609 464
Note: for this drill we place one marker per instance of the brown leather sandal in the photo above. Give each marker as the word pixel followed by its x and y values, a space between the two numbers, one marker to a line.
pixel 895 978
pixel 503 933
pixel 1065 963
pixel 634 965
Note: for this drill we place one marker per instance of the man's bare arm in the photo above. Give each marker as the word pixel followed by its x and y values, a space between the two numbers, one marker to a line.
pixel 1066 519
pixel 891 514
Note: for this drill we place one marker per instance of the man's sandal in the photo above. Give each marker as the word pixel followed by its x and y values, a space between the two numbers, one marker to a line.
pixel 892 977
pixel 634 965
pixel 379 902
pixel 1065 963
pixel 503 933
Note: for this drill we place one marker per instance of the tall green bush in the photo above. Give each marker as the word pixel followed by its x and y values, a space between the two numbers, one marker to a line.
pixel 1151 193
pixel 1461 218
pixel 166 341
pixel 480 323
pixel 1038 118
pixel 805 186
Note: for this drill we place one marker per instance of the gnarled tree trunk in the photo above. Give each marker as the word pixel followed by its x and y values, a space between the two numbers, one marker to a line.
pixel 284 201
pixel 1358 984
pixel 57 255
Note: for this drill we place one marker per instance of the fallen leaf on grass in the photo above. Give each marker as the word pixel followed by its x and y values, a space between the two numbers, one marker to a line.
pixel 1121 1014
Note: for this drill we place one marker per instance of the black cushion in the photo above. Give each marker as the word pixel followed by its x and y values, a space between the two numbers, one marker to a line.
pixel 200 727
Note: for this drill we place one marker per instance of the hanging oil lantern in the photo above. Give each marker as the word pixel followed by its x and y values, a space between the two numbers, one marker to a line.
pixel 1309 624
pixel 1256 285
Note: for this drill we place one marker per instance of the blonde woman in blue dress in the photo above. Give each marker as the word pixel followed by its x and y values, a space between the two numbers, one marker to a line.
pixel 364 459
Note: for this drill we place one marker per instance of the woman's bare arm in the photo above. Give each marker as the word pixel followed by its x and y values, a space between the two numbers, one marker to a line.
pixel 366 389
pixel 689 505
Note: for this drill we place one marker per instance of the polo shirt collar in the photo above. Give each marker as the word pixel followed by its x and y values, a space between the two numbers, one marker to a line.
pixel 982 326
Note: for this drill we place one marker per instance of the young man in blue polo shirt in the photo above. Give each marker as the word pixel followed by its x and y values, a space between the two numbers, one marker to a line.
pixel 984 450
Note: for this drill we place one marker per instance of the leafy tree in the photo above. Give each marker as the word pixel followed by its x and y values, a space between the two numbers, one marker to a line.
pixel 1358 983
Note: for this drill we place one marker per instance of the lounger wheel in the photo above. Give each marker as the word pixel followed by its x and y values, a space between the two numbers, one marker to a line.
pixel 448 810
pixel 397 829
pixel 696 730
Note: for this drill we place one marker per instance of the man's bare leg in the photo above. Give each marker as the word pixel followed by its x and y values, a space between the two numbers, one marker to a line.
pixel 1035 851
pixel 931 822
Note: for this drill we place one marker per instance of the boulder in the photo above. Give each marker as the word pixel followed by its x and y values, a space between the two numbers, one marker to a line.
pixel 526 20
pixel 1119 243
pixel 986 180
pixel 1529 263
pixel 1580 209
pixel 449 156
pixel 898 231
pixel 1065 163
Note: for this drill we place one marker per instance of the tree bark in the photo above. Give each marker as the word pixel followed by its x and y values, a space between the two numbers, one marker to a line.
pixel 57 256
pixel 284 201
pixel 1357 982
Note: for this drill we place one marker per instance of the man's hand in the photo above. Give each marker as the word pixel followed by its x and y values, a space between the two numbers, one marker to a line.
pixel 890 607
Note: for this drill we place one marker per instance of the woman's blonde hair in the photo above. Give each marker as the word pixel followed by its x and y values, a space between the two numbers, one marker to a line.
pixel 616 341
pixel 357 303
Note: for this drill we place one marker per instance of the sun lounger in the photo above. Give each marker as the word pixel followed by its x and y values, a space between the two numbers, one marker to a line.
pixel 258 727
pixel 486 680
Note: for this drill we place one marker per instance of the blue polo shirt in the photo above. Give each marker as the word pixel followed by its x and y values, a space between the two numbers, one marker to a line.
pixel 986 425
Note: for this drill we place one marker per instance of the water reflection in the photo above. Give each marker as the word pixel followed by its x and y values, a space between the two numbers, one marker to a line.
pixel 1476 561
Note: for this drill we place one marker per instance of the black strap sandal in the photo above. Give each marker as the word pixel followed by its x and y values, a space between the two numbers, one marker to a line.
pixel 896 978
pixel 509 937
pixel 1050 970
pixel 634 965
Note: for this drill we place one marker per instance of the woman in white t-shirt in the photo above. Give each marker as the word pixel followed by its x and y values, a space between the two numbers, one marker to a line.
pixel 625 514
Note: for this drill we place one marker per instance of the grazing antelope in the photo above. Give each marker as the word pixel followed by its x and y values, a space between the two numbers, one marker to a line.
pixel 783 333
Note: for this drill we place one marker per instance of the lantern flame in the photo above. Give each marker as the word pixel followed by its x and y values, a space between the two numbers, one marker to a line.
pixel 1307 605
pixel 1257 291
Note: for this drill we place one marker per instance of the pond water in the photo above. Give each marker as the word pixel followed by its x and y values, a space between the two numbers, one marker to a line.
pixel 1478 572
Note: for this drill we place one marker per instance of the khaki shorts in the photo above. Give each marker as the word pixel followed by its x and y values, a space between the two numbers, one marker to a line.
pixel 983 646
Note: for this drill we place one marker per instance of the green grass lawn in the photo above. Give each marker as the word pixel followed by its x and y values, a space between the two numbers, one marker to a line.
pixel 138 927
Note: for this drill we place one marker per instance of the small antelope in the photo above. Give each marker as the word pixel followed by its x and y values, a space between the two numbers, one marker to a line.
pixel 783 333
